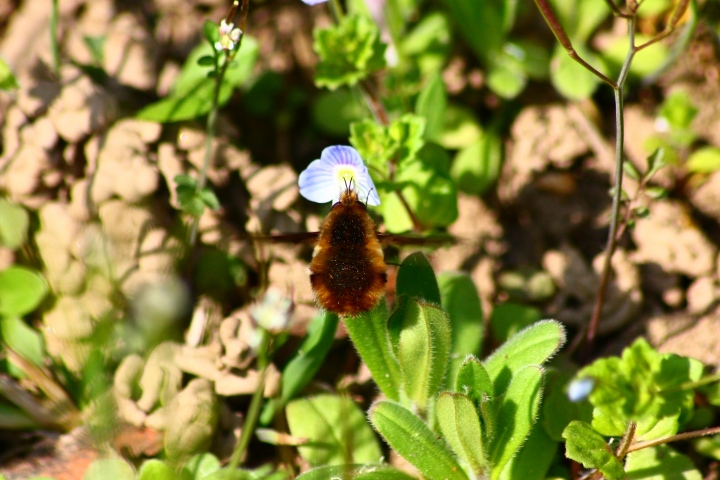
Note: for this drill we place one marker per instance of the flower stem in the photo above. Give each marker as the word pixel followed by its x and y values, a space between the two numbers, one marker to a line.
pixel 674 438
pixel 253 414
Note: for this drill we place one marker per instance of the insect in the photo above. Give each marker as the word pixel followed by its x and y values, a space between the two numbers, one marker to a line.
pixel 348 271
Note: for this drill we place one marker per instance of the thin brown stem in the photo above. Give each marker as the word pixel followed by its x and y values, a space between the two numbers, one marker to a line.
pixel 549 14
pixel 674 438
pixel 627 440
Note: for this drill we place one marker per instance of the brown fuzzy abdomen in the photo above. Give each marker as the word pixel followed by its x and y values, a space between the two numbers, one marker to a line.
pixel 348 280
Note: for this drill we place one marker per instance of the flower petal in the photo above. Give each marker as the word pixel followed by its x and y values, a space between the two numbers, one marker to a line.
pixel 313 2
pixel 317 182
pixel 324 180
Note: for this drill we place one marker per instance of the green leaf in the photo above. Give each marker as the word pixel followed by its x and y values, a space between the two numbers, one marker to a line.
pixel 678 110
pixel 355 472
pixel 348 52
pixel 660 463
pixel 336 430
pixel 24 340
pixel 206 61
pixel 192 94
pixel 211 32
pixel 461 129
pixel 581 18
pixel 368 332
pixel 460 425
pixel 534 459
pixel 570 78
pixel 532 346
pixel 409 436
pixel 302 368
pixel 208 198
pixel 476 167
pixel 14 223
pixel 708 446
pixel 655 161
pixel 507 78
pixel 644 64
pixel 643 386
pixel 558 410
pixel 7 79
pixel 473 380
pixel 704 160
pixel 630 170
pixel 113 467
pixel 13 418
pixel 461 301
pixel 334 112
pixel 21 291
pixel 420 332
pixel 156 470
pixel 431 105
pixel 201 466
pixel 416 279
pixel 507 319
pixel 487 17
pixel 516 415
pixel 588 447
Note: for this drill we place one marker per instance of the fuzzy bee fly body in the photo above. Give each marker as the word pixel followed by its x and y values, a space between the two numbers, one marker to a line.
pixel 348 271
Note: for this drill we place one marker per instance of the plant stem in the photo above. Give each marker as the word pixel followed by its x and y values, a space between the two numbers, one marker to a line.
pixel 254 411
pixel 674 438
pixel 617 193
pixel 213 115
pixel 54 48
pixel 337 10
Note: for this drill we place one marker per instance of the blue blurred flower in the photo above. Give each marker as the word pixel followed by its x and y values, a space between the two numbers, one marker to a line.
pixel 580 388
pixel 313 2
pixel 339 167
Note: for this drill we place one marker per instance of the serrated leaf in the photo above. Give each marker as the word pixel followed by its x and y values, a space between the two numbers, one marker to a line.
pixel 21 291
pixel 516 415
pixel 461 301
pixel 336 430
pixel 409 436
pixel 460 425
pixel 642 386
pixel 348 52
pixel 660 463
pixel 588 447
pixel 14 222
pixel 355 472
pixel 369 334
pixel 532 346
pixel 416 279
pixel 420 332
pixel 431 104
pixel 477 167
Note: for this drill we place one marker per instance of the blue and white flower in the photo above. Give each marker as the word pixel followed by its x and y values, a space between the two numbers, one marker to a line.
pixel 580 388
pixel 313 2
pixel 340 167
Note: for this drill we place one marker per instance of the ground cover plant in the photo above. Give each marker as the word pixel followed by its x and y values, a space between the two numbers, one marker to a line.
pixel 544 177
